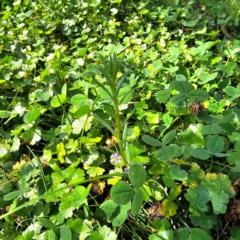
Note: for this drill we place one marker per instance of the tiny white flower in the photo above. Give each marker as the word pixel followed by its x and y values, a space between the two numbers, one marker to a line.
pixel 80 61
pixel 21 73
pixel 12 47
pixel 50 57
pixel 19 109
pixel 25 32
pixel 114 10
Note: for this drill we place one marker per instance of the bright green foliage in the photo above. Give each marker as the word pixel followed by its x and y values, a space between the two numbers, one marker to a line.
pixel 119 119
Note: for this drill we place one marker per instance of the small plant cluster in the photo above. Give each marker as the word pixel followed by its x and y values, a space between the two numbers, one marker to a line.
pixel 119 120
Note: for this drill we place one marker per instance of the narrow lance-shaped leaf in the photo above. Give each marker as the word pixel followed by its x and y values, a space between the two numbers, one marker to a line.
pixel 124 136
pixel 105 89
pixel 105 124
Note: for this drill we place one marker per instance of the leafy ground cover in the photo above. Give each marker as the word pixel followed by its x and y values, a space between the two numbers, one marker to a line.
pixel 119 120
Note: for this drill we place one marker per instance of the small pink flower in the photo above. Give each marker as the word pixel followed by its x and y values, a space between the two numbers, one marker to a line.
pixel 116 159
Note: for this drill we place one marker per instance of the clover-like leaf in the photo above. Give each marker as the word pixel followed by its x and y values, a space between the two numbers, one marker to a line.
pixel 222 181
pixel 168 208
pixel 215 144
pixel 198 234
pixel 121 193
pixel 137 175
pixel 151 141
pixel 166 153
pixel 204 221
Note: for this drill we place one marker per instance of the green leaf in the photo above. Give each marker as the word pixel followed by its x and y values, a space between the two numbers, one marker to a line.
pixel 201 153
pixel 104 89
pixel 198 234
pixel 77 99
pixel 182 87
pixel 31 116
pixel 206 77
pixel 235 231
pixel 215 144
pixel 218 197
pixel 166 153
pixel 119 220
pixel 167 119
pixel 77 177
pixel 64 89
pixel 12 195
pixel 75 225
pixel 228 127
pixel 45 222
pixel 211 129
pixel 137 175
pixel 65 233
pixel 78 196
pixel 125 95
pixel 204 221
pixel 105 124
pixel 178 99
pixel 176 173
pixel 121 81
pixel 121 193
pixel 137 202
pixel 162 96
pixel 111 209
pixel 199 94
pixel 42 95
pixel 58 100
pixel 151 141
pixel 4 114
pixel 82 111
pixel 169 137
pixel 227 118
pixel 162 235
pixel 231 91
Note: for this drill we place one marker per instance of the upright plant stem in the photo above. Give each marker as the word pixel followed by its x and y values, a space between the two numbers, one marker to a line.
pixel 118 125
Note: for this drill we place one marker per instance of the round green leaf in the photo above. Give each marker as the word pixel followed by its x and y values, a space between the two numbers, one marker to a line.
pixel 198 234
pixel 151 141
pixel 77 99
pixel 121 193
pixel 137 202
pixel 83 110
pixel 166 153
pixel 42 95
pixel 111 209
pixel 201 153
pixel 206 77
pixel 211 129
pixel 231 91
pixel 58 100
pixel 137 175
pixel 215 144
pixel 65 233
pixel 162 96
